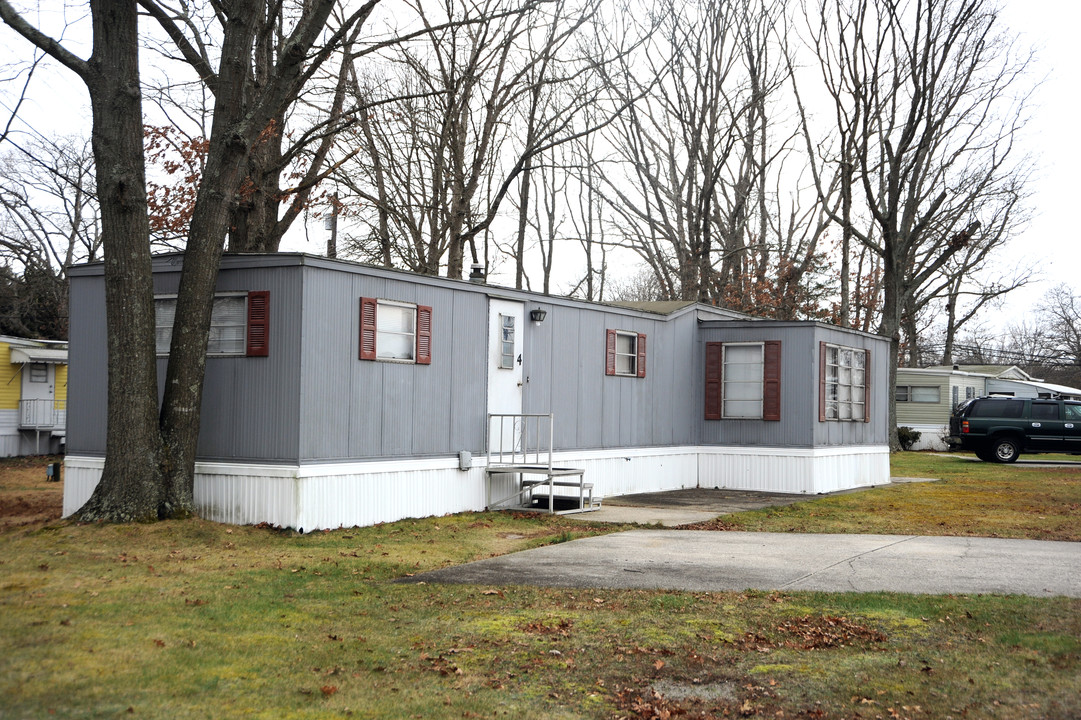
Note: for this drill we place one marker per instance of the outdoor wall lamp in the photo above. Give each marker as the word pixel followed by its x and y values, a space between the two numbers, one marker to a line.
pixel 537 315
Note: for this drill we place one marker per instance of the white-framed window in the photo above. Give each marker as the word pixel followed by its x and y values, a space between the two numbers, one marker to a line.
pixel 918 393
pixel 626 353
pixel 396 331
pixel 970 392
pixel 39 373
pixel 506 342
pixel 845 384
pixel 742 391
pixel 228 324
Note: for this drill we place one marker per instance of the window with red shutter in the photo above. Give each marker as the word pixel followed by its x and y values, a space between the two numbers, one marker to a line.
pixel 625 353
pixel 641 355
pixel 714 354
pixel 258 343
pixel 424 335
pixel 771 380
pixel 393 331
pixel 610 352
pixel 368 312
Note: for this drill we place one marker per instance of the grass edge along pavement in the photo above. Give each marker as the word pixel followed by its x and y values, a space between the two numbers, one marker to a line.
pixel 194 619
pixel 975 499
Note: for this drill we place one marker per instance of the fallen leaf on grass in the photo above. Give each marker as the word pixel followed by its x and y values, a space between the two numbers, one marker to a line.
pixel 329 690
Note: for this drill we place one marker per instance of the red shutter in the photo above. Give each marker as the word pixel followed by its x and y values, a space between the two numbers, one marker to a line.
pixel 867 386
pixel 610 353
pixel 771 380
pixel 713 380
pixel 424 335
pixel 367 328
pixel 258 344
pixel 641 355
pixel 821 382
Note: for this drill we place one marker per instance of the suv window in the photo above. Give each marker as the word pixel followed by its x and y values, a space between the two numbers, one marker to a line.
pixel 1073 412
pixel 1044 411
pixel 997 408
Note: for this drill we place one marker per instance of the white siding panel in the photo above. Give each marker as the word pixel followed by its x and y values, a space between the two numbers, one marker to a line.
pixel 787 470
pixel 634 470
pixel 81 476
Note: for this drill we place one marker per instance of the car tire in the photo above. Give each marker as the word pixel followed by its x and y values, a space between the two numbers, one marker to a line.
pixel 1005 450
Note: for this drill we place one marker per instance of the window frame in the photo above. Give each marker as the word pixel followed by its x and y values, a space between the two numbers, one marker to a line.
pixel 246 321
pixel 42 368
pixel 410 309
pixel 631 357
pixel 761 383
pixel 612 353
pixel 506 361
pixel 910 394
pixel 825 382
pixel 368 340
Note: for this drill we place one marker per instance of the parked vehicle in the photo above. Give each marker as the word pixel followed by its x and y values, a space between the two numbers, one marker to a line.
pixel 999 429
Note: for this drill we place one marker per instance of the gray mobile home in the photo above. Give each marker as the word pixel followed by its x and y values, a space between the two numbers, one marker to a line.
pixel 339 394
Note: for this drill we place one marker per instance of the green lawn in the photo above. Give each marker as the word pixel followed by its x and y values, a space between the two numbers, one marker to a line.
pixel 972 498
pixel 196 620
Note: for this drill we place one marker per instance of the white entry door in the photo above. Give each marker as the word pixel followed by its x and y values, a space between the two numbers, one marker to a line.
pixel 38 390
pixel 506 325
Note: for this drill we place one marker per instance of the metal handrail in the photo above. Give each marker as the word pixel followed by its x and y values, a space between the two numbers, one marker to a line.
pixel 524 427
pixel 43 414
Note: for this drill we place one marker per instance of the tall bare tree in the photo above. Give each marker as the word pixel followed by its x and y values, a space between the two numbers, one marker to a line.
pixel 456 120
pixel 928 94
pixel 150 459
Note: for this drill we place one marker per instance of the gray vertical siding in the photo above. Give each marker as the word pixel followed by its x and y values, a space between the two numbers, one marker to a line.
pixel 856 433
pixel 314 400
pixel 250 405
pixel 798 395
pixel 799 425
pixel 566 371
pixel 364 409
pixel 87 365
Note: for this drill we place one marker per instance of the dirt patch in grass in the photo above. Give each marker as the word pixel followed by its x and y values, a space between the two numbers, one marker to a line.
pixel 27 497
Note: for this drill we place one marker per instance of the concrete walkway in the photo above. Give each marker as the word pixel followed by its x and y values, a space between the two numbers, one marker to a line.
pixel 708 561
pixel 672 508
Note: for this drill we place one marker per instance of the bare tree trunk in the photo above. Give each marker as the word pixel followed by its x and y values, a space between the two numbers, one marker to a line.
pixel 130 486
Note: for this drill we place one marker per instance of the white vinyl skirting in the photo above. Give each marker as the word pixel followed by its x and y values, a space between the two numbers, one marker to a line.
pixel 326 496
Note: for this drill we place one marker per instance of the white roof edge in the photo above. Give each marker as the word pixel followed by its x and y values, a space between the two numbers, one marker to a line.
pixel 23 355
pixel 943 371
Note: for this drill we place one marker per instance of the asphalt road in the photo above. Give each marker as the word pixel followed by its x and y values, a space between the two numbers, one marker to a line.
pixel 708 561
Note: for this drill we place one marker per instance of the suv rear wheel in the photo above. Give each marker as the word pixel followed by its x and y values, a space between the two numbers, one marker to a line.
pixel 1005 450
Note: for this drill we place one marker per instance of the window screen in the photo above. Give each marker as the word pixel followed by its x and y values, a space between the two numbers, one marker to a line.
pixel 396 331
pixel 626 353
pixel 742 381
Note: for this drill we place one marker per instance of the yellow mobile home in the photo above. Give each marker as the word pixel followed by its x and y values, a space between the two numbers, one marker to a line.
pixel 33 396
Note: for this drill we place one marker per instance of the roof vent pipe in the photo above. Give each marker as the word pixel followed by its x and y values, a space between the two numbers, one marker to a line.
pixel 476 273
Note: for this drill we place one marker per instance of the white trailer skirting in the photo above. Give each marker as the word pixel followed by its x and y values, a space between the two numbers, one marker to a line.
pixel 331 495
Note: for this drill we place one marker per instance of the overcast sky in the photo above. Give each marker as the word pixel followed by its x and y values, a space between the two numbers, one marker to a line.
pixel 1052 237
pixel 1050 241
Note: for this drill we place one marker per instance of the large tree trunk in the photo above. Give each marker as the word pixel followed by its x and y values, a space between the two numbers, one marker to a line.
pixel 130 486
pixel 226 163
pixel 892 300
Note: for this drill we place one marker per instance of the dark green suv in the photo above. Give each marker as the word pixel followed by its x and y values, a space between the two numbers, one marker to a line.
pixel 999 429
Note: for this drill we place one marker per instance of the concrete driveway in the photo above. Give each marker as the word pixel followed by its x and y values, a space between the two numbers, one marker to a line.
pixel 707 561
